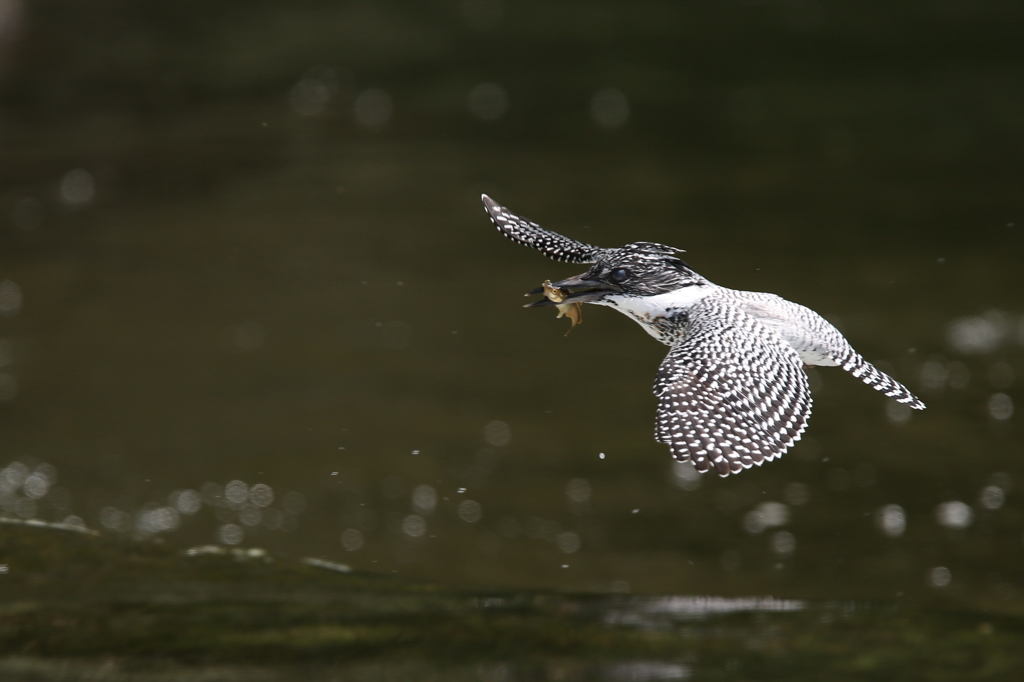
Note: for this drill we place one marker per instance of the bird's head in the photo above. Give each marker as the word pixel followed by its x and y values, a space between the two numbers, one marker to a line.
pixel 635 270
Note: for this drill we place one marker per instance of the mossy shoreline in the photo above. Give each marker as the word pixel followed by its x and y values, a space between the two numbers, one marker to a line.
pixel 75 606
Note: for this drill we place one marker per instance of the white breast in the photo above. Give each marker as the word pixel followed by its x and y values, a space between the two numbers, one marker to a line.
pixel 648 309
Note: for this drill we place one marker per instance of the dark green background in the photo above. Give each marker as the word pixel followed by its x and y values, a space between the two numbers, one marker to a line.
pixel 296 299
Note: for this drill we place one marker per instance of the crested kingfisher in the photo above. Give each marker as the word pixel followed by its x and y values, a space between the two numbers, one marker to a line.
pixel 732 391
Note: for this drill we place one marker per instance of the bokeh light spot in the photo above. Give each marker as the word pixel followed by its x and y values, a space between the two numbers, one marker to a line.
pixel 230 534
pixel 766 515
pixel 488 102
pixel 578 490
pixel 261 494
pixel 36 485
pixel 1000 406
pixel 992 497
pixel 891 520
pixel 311 95
pixel 114 519
pixel 424 498
pixel 939 576
pixel 568 542
pixel 470 511
pixel 783 543
pixel 352 539
pixel 236 492
pixel 497 433
pixel 414 525
pixel 954 514
pixel 685 475
pixel 977 335
pixel 10 297
pixel 609 108
pixel 77 187
pixel 187 501
pixel 897 413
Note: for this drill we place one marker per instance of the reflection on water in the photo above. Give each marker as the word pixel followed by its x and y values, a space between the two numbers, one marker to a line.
pixel 209 612
pixel 663 612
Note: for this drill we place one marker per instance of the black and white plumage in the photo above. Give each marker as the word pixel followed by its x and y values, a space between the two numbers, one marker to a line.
pixel 732 391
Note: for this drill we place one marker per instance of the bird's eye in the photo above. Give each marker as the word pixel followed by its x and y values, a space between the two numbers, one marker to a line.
pixel 619 276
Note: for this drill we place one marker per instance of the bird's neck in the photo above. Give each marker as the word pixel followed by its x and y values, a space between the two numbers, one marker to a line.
pixel 663 316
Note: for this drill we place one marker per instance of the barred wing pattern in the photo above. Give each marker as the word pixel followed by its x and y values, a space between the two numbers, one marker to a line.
pixel 818 341
pixel 855 364
pixel 731 393
pixel 552 245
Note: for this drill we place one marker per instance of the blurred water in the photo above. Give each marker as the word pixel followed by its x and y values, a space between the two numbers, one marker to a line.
pixel 248 294
pixel 87 606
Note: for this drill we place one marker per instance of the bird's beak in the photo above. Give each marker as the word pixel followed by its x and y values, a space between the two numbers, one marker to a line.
pixel 580 290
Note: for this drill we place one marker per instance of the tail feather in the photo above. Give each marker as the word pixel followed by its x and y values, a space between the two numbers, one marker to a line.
pixel 856 365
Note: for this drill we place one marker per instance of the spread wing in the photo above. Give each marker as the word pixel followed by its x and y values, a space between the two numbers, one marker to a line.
pixel 552 245
pixel 818 342
pixel 731 393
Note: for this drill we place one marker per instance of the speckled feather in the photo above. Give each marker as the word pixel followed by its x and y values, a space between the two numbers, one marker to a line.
pixel 816 340
pixel 732 392
pixel 551 244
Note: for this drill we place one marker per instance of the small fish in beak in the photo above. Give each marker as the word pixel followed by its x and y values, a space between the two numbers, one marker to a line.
pixel 573 310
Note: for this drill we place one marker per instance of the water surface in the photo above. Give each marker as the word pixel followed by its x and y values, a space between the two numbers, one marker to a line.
pixel 249 295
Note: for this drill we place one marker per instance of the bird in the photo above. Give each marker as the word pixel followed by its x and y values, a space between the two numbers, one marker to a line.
pixel 733 391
